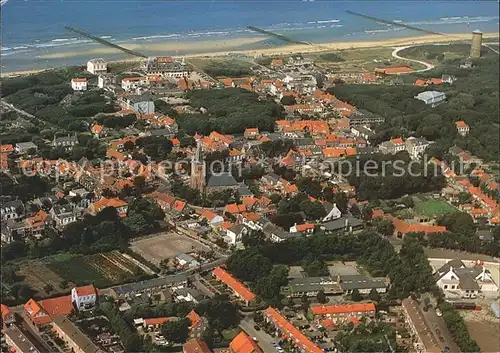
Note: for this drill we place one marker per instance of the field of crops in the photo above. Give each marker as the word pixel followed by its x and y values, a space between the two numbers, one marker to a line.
pixel 101 269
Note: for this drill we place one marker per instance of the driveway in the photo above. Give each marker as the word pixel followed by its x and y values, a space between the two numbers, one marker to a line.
pixel 397 50
pixel 437 323
pixel 263 339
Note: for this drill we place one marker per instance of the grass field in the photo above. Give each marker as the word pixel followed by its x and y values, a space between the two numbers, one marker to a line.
pixel 431 208
pixel 101 269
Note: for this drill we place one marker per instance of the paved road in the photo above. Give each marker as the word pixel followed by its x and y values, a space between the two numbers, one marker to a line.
pixel 263 339
pixel 487 46
pixel 435 322
pixel 397 50
pixel 26 114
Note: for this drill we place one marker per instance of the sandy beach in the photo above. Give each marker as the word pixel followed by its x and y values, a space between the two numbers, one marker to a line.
pixel 224 47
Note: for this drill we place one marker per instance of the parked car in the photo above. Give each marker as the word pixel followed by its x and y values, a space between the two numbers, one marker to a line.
pixel 256 327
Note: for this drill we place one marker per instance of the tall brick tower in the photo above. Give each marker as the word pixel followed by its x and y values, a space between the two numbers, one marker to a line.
pixel 198 174
pixel 475 47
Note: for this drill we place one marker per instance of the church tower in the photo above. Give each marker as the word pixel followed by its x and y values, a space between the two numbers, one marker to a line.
pixel 198 169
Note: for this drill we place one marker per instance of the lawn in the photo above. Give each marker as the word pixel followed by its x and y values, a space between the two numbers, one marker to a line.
pixel 433 208
pixel 77 270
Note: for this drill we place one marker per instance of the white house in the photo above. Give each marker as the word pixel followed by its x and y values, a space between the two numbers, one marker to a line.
pixel 235 233
pixel 333 214
pixel 462 128
pixel 84 298
pixel 63 215
pixel 79 84
pixel 416 146
pixel 455 279
pixel 130 83
pixel 97 66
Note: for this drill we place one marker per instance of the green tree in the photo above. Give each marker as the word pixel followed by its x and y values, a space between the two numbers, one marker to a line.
pixel 220 312
pixel 356 296
pixel 321 297
pixel 385 227
pixel 176 331
pixel 374 295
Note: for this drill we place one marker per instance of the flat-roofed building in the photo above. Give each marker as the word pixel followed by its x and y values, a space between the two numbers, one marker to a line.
pixel 311 286
pixel 74 338
pixel 17 341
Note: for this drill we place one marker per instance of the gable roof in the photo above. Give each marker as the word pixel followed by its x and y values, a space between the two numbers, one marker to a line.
pixel 86 290
pixel 195 345
pixel 242 343
pixel 340 309
pixel 234 284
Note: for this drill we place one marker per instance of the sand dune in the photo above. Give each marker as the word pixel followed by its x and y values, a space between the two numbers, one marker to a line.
pixel 226 47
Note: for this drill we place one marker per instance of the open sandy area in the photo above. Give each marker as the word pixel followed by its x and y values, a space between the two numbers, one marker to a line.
pixel 164 246
pixel 217 48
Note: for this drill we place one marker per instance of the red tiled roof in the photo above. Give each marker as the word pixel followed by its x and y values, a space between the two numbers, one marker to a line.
pixel 5 311
pixel 179 205
pixel 304 227
pixel 156 321
pixel 6 148
pixel 461 124
pixel 299 339
pixel 234 284
pixel 195 345
pixel 404 228
pixel 194 318
pixel 242 343
pixel 78 79
pixel 86 290
pixel 342 309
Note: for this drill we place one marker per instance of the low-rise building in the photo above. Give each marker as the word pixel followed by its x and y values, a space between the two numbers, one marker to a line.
pixel 287 330
pixel 462 128
pixel 17 341
pixel 79 84
pixel 140 104
pixel 424 340
pixel 120 206
pixel 432 98
pixel 392 146
pixel 195 345
pixel 97 66
pixel 416 146
pixel 84 298
pixel 63 215
pixel 12 210
pixel 344 312
pixel 238 288
pixel 455 279
pixel 311 286
pixel 363 284
pixel 26 147
pixel 73 337
pixel 242 343
pixel 66 142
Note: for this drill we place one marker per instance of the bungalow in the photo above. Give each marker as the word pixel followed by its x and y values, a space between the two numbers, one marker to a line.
pixel 306 228
pixel 156 322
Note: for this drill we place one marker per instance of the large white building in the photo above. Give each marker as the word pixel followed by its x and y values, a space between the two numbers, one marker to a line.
pixel 432 98
pixel 130 83
pixel 79 84
pixel 84 298
pixel 455 279
pixel 97 66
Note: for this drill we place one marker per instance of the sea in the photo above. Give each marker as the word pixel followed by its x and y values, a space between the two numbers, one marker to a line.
pixel 31 29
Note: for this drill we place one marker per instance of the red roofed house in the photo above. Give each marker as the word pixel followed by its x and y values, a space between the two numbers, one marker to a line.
pixel 156 322
pixel 235 208
pixel 302 228
pixel 79 84
pixel 251 133
pixel 236 286
pixel 462 128
pixel 42 312
pixel 7 315
pixel 242 343
pixel 345 311
pixel 392 146
pixel 96 130
pixel 120 206
pixel 198 324
pixel 6 148
pixel 286 330
pixel 195 345
pixel 277 62
pixel 84 297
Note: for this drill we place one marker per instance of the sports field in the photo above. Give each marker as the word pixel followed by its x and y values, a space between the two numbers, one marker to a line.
pixel 432 208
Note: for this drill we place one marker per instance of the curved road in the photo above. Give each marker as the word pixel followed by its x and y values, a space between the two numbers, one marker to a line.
pixel 397 50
